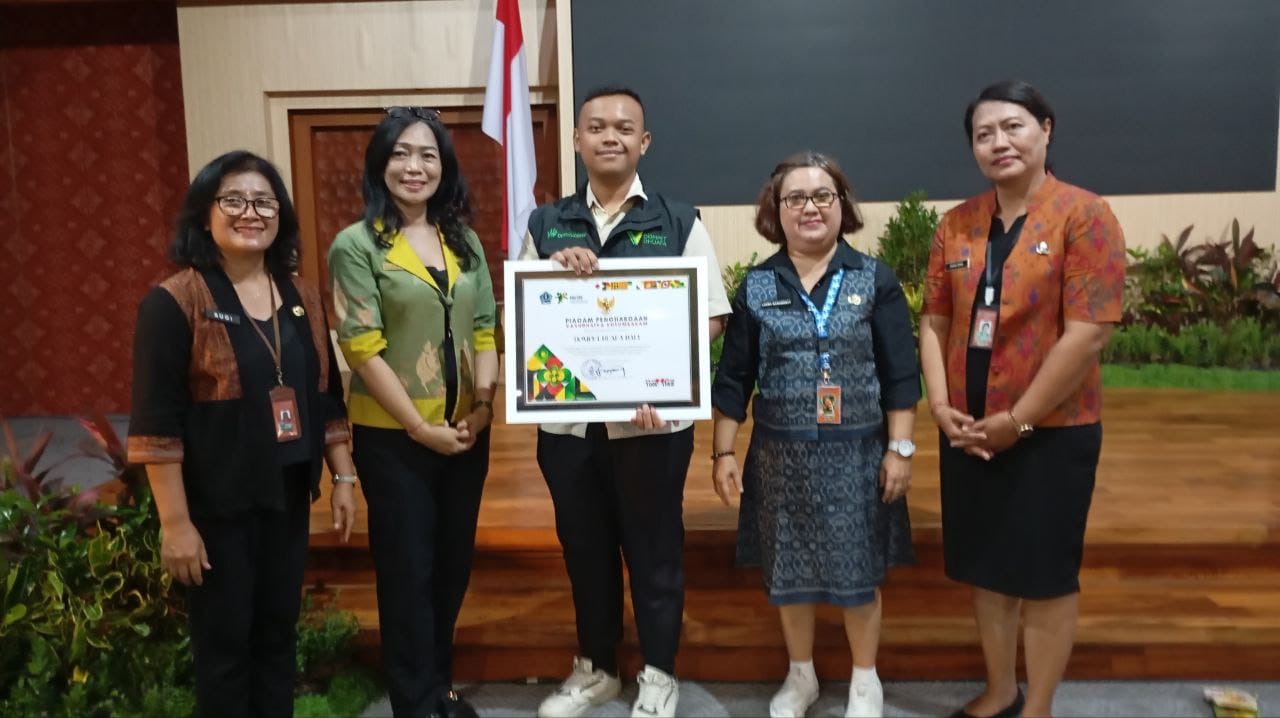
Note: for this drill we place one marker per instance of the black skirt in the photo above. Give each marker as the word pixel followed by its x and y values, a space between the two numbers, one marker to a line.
pixel 1015 524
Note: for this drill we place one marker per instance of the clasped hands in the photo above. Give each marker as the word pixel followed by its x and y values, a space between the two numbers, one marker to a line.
pixel 983 438
pixel 453 439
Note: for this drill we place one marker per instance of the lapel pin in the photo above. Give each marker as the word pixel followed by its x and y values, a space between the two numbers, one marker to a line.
pixel 855 299
pixel 298 310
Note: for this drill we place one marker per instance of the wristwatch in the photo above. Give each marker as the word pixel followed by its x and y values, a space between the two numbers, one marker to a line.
pixel 902 447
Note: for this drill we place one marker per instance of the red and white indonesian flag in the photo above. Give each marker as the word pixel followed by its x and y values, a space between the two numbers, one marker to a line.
pixel 507 120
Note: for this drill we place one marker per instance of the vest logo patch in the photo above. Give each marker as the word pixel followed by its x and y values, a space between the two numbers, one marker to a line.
pixel 649 238
pixel 557 233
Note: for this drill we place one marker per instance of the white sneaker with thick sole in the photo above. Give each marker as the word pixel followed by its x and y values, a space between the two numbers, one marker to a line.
pixel 584 689
pixel 659 693
pixel 798 692
pixel 866 699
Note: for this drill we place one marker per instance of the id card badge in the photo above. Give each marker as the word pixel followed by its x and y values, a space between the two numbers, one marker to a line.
pixel 982 335
pixel 828 404
pixel 284 412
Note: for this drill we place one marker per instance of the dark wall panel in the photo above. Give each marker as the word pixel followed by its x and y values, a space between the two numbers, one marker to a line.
pixel 1152 96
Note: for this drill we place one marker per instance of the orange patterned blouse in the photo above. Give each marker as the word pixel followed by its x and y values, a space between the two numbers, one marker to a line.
pixel 1068 265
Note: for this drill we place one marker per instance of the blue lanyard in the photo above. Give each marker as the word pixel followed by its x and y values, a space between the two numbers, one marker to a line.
pixel 820 318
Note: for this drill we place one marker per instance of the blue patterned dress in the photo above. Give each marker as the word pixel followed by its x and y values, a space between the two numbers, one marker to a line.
pixel 811 514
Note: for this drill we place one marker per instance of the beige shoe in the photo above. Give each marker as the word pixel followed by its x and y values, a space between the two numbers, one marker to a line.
pixel 659 693
pixel 584 689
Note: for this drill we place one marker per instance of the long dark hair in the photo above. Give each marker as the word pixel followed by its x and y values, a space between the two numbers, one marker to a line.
pixel 193 244
pixel 449 207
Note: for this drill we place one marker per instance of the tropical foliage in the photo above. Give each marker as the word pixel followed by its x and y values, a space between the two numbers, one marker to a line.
pixel 904 246
pixel 91 625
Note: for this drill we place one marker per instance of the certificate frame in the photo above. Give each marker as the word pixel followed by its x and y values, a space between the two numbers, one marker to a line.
pixel 524 279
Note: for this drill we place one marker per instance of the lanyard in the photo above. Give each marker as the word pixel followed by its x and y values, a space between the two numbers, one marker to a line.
pixel 989 293
pixel 275 325
pixel 820 319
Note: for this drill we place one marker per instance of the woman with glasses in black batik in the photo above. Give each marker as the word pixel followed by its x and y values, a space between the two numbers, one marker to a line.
pixel 416 319
pixel 820 346
pixel 236 397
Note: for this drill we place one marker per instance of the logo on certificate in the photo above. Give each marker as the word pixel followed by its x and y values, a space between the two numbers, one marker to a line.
pixel 545 297
pixel 606 304
pixel 549 379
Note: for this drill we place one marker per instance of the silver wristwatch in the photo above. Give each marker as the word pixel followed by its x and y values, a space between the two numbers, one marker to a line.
pixel 902 447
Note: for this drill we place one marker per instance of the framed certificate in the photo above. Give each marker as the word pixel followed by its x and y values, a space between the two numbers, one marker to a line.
pixel 593 348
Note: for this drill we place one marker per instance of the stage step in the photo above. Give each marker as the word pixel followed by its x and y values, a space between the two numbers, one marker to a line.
pixel 1146 612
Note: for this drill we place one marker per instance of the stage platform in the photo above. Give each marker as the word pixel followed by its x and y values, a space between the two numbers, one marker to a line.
pixel 1181 577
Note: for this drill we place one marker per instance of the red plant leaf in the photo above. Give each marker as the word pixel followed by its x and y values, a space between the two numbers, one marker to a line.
pixel 1247 252
pixel 28 483
pixel 102 431
pixel 42 443
pixel 1183 237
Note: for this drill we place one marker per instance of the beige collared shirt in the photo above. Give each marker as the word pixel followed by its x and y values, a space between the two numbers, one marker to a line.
pixel 698 245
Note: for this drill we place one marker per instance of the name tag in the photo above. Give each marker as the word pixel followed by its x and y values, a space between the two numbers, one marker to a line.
pixel 224 317
pixel 960 264
pixel 776 303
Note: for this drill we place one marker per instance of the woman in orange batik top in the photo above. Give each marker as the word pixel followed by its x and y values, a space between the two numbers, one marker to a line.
pixel 1024 285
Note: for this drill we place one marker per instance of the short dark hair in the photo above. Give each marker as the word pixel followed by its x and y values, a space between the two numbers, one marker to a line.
pixel 768 223
pixel 1018 92
pixel 193 244
pixel 449 207
pixel 606 91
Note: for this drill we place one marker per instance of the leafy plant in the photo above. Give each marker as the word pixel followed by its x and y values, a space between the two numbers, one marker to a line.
pixel 324 644
pixel 1242 344
pixel 90 627
pixel 904 246
pixel 732 276
pixel 1179 284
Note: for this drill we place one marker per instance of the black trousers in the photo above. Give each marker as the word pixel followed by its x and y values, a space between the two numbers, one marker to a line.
pixel 623 494
pixel 423 508
pixel 244 616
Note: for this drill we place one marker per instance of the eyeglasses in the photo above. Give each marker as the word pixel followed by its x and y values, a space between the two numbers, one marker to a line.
pixel 233 205
pixel 421 113
pixel 822 199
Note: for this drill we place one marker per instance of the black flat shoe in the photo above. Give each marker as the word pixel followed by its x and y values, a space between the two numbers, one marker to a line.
pixel 451 705
pixel 1013 710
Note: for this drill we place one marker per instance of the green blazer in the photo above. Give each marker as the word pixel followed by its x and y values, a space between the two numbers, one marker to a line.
pixel 389 305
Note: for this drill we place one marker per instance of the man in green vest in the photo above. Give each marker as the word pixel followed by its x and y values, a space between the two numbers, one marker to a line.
pixel 618 488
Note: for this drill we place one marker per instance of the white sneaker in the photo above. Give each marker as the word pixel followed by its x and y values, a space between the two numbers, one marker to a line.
pixel 582 690
pixel 866 699
pixel 798 692
pixel 659 694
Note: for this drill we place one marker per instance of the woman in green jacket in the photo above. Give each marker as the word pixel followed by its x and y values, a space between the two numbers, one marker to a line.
pixel 416 323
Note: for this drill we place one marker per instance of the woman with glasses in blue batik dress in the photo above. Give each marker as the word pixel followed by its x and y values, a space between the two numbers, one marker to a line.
pixel 821 342
pixel 236 397
pixel 416 323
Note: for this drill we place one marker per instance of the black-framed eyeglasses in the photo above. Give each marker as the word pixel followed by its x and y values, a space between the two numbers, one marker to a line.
pixel 233 205
pixel 821 199
pixel 421 113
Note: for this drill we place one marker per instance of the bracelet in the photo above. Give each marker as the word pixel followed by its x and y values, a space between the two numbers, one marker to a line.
pixel 717 454
pixel 1024 430
pixel 344 479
